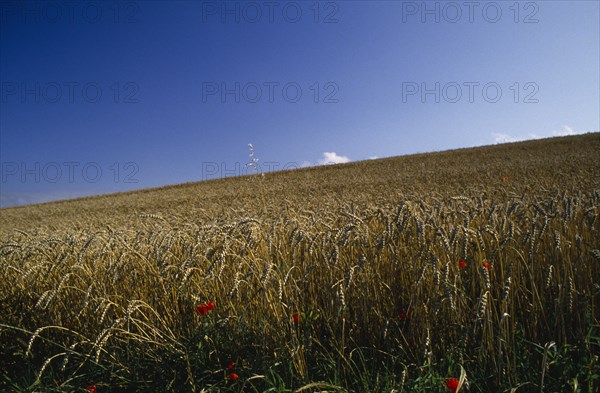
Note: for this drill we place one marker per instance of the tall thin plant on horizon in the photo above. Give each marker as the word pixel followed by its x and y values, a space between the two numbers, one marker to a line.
pixel 255 166
pixel 253 159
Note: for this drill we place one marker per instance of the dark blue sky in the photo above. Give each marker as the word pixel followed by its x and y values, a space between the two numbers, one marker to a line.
pixel 103 96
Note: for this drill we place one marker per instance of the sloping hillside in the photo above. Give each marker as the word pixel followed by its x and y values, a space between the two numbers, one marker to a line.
pixel 567 163
pixel 416 273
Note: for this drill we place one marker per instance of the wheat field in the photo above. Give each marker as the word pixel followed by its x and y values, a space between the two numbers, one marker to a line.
pixel 400 274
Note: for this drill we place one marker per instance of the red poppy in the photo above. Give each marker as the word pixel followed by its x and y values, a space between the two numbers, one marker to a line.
pixel 487 265
pixel 230 366
pixel 452 384
pixel 462 264
pixel 297 318
pixel 232 376
pixel 91 388
pixel 405 314
pixel 505 178
pixel 202 310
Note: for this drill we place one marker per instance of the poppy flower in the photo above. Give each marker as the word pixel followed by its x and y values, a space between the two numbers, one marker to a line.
pixel 405 314
pixel 452 384
pixel 232 376
pixel 487 265
pixel 201 310
pixel 297 318
pixel 230 366
pixel 462 264
pixel 505 178
pixel 91 388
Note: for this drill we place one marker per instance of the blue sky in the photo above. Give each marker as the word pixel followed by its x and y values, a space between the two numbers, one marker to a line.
pixel 101 96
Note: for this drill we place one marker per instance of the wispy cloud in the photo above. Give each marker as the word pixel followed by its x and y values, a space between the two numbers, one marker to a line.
pixel 506 138
pixel 566 130
pixel 8 199
pixel 502 138
pixel 332 158
pixel 498 137
pixel 11 199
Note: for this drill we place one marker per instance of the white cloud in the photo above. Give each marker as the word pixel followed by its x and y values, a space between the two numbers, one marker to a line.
pixel 503 138
pixel 373 158
pixel 506 138
pixel 566 130
pixel 8 199
pixel 332 158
